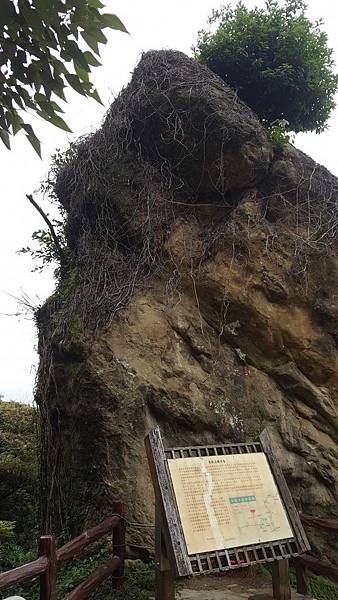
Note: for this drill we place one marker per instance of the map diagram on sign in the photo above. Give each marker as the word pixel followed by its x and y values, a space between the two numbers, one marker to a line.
pixel 227 501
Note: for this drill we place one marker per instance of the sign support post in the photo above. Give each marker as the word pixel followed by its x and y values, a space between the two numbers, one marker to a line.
pixel 280 580
pixel 165 577
pixel 219 508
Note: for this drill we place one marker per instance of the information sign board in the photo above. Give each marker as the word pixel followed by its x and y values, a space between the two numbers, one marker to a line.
pixel 221 507
pixel 227 501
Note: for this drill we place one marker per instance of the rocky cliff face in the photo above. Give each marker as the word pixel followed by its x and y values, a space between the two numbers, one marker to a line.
pixel 200 294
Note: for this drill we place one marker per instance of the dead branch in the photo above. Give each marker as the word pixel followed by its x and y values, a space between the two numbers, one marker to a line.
pixel 58 247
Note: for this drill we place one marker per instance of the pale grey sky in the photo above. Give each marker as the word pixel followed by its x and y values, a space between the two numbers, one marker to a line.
pixel 153 24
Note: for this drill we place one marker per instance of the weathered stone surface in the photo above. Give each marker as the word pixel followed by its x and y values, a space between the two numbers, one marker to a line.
pixel 222 362
pixel 232 326
pixel 201 117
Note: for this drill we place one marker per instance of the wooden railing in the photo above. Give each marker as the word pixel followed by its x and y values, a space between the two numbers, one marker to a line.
pixel 308 561
pixel 49 558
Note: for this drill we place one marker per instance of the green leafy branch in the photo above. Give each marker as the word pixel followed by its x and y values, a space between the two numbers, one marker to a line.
pixel 40 56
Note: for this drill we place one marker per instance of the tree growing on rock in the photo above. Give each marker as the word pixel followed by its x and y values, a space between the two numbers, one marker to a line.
pixel 276 58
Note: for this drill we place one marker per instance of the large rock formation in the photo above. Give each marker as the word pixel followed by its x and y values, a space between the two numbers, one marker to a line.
pixel 200 293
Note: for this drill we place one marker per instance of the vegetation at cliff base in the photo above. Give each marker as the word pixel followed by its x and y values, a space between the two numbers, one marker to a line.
pixel 138 582
pixel 18 472
pixel 318 587
pixel 19 517
pixel 276 58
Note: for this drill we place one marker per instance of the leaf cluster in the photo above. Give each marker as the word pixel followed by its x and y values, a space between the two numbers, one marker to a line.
pixel 280 134
pixel 45 252
pixel 276 58
pixel 6 530
pixel 40 55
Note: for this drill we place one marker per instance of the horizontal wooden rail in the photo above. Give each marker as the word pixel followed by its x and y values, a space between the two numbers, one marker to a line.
pixel 46 564
pixel 318 566
pixel 27 571
pixel 87 586
pixel 86 538
pixel 330 525
pixel 307 561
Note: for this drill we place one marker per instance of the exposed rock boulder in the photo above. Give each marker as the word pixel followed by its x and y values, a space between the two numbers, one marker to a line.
pixel 200 294
pixel 182 113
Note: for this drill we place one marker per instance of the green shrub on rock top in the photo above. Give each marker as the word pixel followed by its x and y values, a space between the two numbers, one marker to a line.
pixel 276 58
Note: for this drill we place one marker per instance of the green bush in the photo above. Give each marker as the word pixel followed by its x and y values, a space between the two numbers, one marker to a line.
pixel 138 582
pixel 13 555
pixel 276 58
pixel 318 587
pixel 19 469
pixel 6 530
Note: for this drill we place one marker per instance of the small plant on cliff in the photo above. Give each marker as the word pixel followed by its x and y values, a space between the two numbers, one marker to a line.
pixel 49 244
pixel 276 58
pixel 46 251
pixel 280 134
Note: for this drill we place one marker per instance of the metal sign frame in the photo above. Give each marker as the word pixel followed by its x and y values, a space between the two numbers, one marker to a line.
pixel 171 549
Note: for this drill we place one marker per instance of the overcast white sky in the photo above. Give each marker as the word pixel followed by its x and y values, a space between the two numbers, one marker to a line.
pixel 153 24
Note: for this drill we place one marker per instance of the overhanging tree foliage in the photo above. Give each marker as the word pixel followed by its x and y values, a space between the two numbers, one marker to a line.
pixel 41 54
pixel 277 60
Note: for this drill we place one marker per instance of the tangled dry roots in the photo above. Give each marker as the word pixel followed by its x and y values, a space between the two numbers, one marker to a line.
pixel 177 144
pixel 172 139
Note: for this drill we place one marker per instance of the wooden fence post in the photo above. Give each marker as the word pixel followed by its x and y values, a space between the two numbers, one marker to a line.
pixel 300 577
pixel 164 576
pixel 48 577
pixel 119 543
pixel 280 579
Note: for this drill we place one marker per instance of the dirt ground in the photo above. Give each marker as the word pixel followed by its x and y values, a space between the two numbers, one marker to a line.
pixel 244 579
